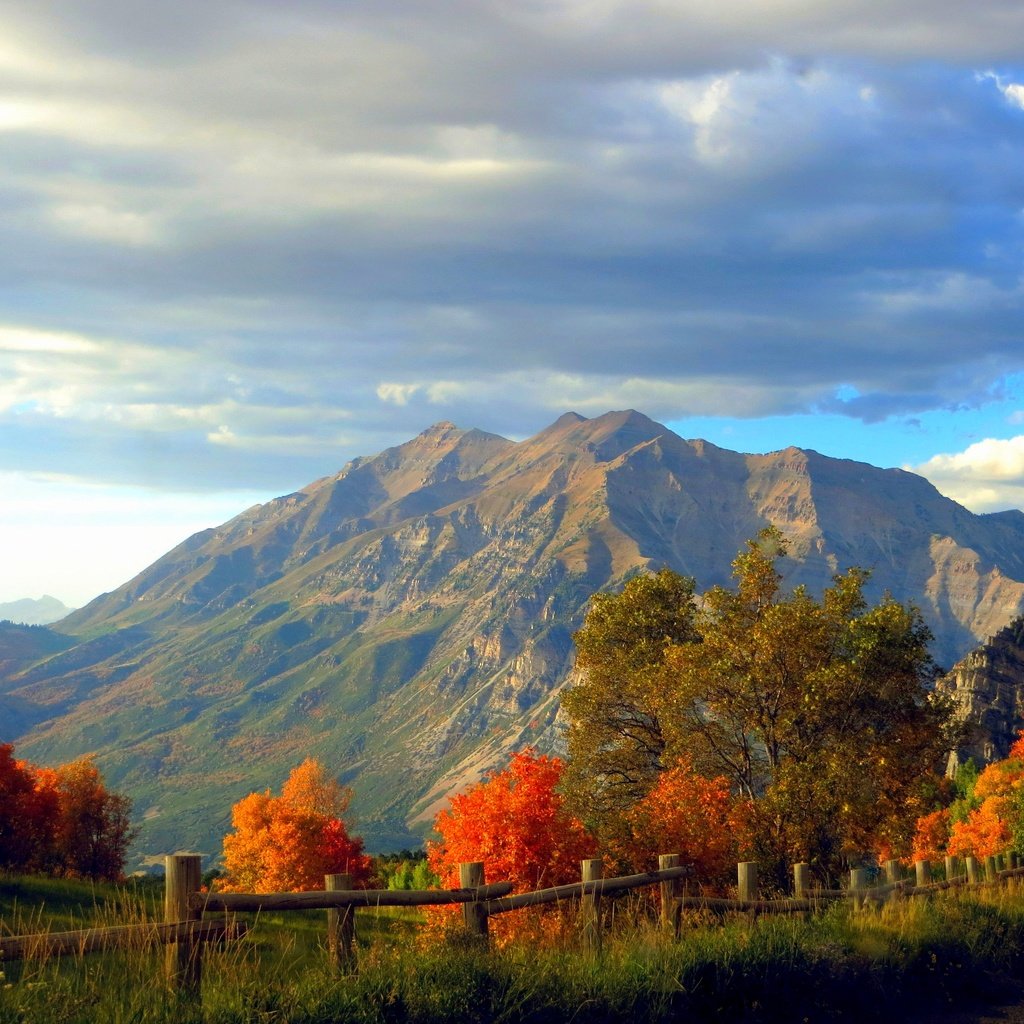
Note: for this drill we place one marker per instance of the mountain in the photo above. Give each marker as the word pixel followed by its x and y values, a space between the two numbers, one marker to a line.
pixel 988 687
pixel 409 619
pixel 34 612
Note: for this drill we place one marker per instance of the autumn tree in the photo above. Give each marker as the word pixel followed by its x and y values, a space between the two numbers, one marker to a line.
pixel 290 842
pixel 820 712
pixel 616 739
pixel 27 821
pixel 988 818
pixel 61 820
pixel 688 814
pixel 516 823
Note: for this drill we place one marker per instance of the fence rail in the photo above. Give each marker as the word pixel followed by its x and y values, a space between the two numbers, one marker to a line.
pixel 240 902
pixel 128 936
pixel 574 890
pixel 185 932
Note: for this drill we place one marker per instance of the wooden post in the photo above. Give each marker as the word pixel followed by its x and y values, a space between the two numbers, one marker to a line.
pixel 973 870
pixel 950 868
pixel 801 880
pixel 671 908
pixel 859 881
pixel 183 878
pixel 892 871
pixel 341 926
pixel 991 869
pixel 746 880
pixel 471 876
pixel 924 872
pixel 590 908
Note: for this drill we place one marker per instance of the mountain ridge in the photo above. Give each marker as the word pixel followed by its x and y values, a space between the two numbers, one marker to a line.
pixel 409 618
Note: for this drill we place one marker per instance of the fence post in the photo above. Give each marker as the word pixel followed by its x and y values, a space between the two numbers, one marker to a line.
pixel 950 868
pixel 859 882
pixel 973 870
pixel 671 909
pixel 801 879
pixel 991 869
pixel 892 871
pixel 746 880
pixel 341 925
pixel 471 876
pixel 590 909
pixel 183 878
pixel 924 871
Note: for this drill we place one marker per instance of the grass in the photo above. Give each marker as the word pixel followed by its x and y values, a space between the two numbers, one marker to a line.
pixel 912 956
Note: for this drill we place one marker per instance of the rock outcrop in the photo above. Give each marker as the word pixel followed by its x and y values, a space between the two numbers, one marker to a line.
pixel 988 687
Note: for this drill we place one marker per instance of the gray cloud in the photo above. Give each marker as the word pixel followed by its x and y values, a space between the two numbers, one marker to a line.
pixel 289 234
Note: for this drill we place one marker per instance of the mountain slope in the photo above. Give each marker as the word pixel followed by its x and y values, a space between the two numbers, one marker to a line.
pixel 409 619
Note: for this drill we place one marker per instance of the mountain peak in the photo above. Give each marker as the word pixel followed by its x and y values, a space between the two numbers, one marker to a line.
pixel 440 429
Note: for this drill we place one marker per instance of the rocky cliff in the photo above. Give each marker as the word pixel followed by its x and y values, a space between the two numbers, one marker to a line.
pixel 988 686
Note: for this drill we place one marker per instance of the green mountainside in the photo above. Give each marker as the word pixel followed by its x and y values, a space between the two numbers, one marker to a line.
pixel 409 619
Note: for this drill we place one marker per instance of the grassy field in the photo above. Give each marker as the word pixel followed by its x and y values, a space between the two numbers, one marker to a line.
pixel 840 966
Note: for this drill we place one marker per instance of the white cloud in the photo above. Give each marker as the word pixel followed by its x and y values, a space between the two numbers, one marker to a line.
pixel 15 338
pixel 1013 91
pixel 397 394
pixel 986 477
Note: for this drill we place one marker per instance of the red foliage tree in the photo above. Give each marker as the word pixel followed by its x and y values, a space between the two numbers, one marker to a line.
pixel 61 820
pixel 26 822
pixel 288 843
pixel 931 836
pixel 688 814
pixel 516 824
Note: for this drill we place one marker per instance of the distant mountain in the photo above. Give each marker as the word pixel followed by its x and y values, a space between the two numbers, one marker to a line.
pixel 34 612
pixel 409 619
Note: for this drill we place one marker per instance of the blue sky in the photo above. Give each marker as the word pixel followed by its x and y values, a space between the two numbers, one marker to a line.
pixel 243 241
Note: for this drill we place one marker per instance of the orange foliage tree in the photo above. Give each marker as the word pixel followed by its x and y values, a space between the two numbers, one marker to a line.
pixel 61 820
pixel 988 818
pixel 288 843
pixel 984 833
pixel 516 824
pixel 931 836
pixel 688 814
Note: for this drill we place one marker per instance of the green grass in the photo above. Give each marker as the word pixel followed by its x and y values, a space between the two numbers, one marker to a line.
pixel 918 955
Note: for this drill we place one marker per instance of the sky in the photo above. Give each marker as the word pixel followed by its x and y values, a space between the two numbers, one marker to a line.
pixel 243 241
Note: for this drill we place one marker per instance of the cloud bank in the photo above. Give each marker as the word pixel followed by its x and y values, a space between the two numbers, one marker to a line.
pixel 243 242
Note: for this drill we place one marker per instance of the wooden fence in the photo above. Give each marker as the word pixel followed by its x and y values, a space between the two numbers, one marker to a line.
pixel 186 931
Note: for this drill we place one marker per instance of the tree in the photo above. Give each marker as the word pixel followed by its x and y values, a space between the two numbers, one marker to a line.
pixel 288 843
pixel 691 815
pixel 61 820
pixel 94 830
pixel 988 816
pixel 820 713
pixel 27 820
pixel 516 823
pixel 615 736
pixel 931 835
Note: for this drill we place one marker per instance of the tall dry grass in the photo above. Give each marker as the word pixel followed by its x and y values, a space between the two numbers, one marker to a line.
pixel 838 966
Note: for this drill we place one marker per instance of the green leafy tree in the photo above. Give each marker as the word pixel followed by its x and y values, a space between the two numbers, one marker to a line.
pixel 615 735
pixel 820 713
